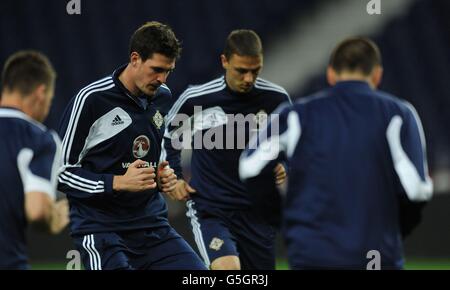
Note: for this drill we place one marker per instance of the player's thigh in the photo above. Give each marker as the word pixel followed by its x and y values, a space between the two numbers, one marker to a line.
pixel 226 263
pixel 180 256
pixel 102 251
pixel 213 238
pixel 169 252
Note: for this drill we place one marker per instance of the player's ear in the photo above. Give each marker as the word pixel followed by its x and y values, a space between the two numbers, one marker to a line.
pixel 35 102
pixel 224 61
pixel 331 76
pixel 377 76
pixel 134 59
pixel 40 93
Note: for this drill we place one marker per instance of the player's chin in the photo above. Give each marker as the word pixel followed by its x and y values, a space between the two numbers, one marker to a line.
pixel 149 93
pixel 245 89
pixel 150 90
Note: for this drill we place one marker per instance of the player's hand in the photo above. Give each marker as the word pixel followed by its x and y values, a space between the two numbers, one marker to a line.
pixel 182 191
pixel 167 179
pixel 59 217
pixel 280 174
pixel 139 177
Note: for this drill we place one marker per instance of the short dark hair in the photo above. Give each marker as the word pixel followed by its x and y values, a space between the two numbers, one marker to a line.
pixel 154 37
pixel 25 70
pixel 243 42
pixel 357 54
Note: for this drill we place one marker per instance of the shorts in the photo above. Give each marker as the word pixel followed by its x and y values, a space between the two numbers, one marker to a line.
pixel 241 233
pixel 150 249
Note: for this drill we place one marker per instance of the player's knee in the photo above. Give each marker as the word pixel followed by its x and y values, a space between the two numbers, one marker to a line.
pixel 226 263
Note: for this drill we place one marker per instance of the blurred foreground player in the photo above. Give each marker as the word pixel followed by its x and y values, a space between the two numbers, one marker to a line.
pixel 29 156
pixel 358 169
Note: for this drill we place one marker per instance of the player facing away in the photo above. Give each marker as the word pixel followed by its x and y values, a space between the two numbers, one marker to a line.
pixel 30 156
pixel 112 132
pixel 357 164
pixel 230 230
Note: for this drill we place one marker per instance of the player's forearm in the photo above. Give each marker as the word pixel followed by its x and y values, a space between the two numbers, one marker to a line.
pixel 123 183
pixel 59 216
pixel 37 207
pixel 80 183
pixel 45 215
pixel 118 183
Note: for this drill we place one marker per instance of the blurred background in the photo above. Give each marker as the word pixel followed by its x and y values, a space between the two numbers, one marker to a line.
pixel 298 36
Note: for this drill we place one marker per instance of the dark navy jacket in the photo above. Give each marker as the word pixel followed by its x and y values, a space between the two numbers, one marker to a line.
pixel 29 157
pixel 104 129
pixel 210 109
pixel 354 154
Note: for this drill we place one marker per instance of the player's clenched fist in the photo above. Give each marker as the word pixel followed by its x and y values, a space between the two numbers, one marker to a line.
pixel 280 174
pixel 166 177
pixel 182 191
pixel 139 177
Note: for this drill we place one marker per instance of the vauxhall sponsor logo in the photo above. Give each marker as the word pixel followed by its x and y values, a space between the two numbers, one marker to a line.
pixel 125 165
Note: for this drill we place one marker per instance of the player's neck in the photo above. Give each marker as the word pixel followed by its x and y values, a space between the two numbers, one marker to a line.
pixel 12 100
pixel 16 101
pixel 126 79
pixel 349 76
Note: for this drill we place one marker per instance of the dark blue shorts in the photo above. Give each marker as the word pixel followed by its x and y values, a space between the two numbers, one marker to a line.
pixel 152 249
pixel 219 233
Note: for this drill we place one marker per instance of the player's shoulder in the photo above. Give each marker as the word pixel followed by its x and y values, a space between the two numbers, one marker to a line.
pixel 51 138
pixel 163 95
pixel 388 98
pixel 283 108
pixel 96 88
pixel 163 99
pixel 196 92
pixel 205 88
pixel 164 91
pixel 396 104
pixel 313 99
pixel 48 141
pixel 15 118
pixel 20 124
pixel 274 89
pixel 44 137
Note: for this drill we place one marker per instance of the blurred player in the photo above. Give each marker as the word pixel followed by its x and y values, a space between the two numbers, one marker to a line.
pixel 29 156
pixel 357 159
pixel 231 232
pixel 112 133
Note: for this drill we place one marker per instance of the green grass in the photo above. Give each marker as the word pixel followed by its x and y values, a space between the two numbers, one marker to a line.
pixel 411 264
pixel 427 264
pixel 48 266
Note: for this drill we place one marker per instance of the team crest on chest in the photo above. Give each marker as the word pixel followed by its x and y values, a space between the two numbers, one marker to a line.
pixel 216 244
pixel 158 119
pixel 141 146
